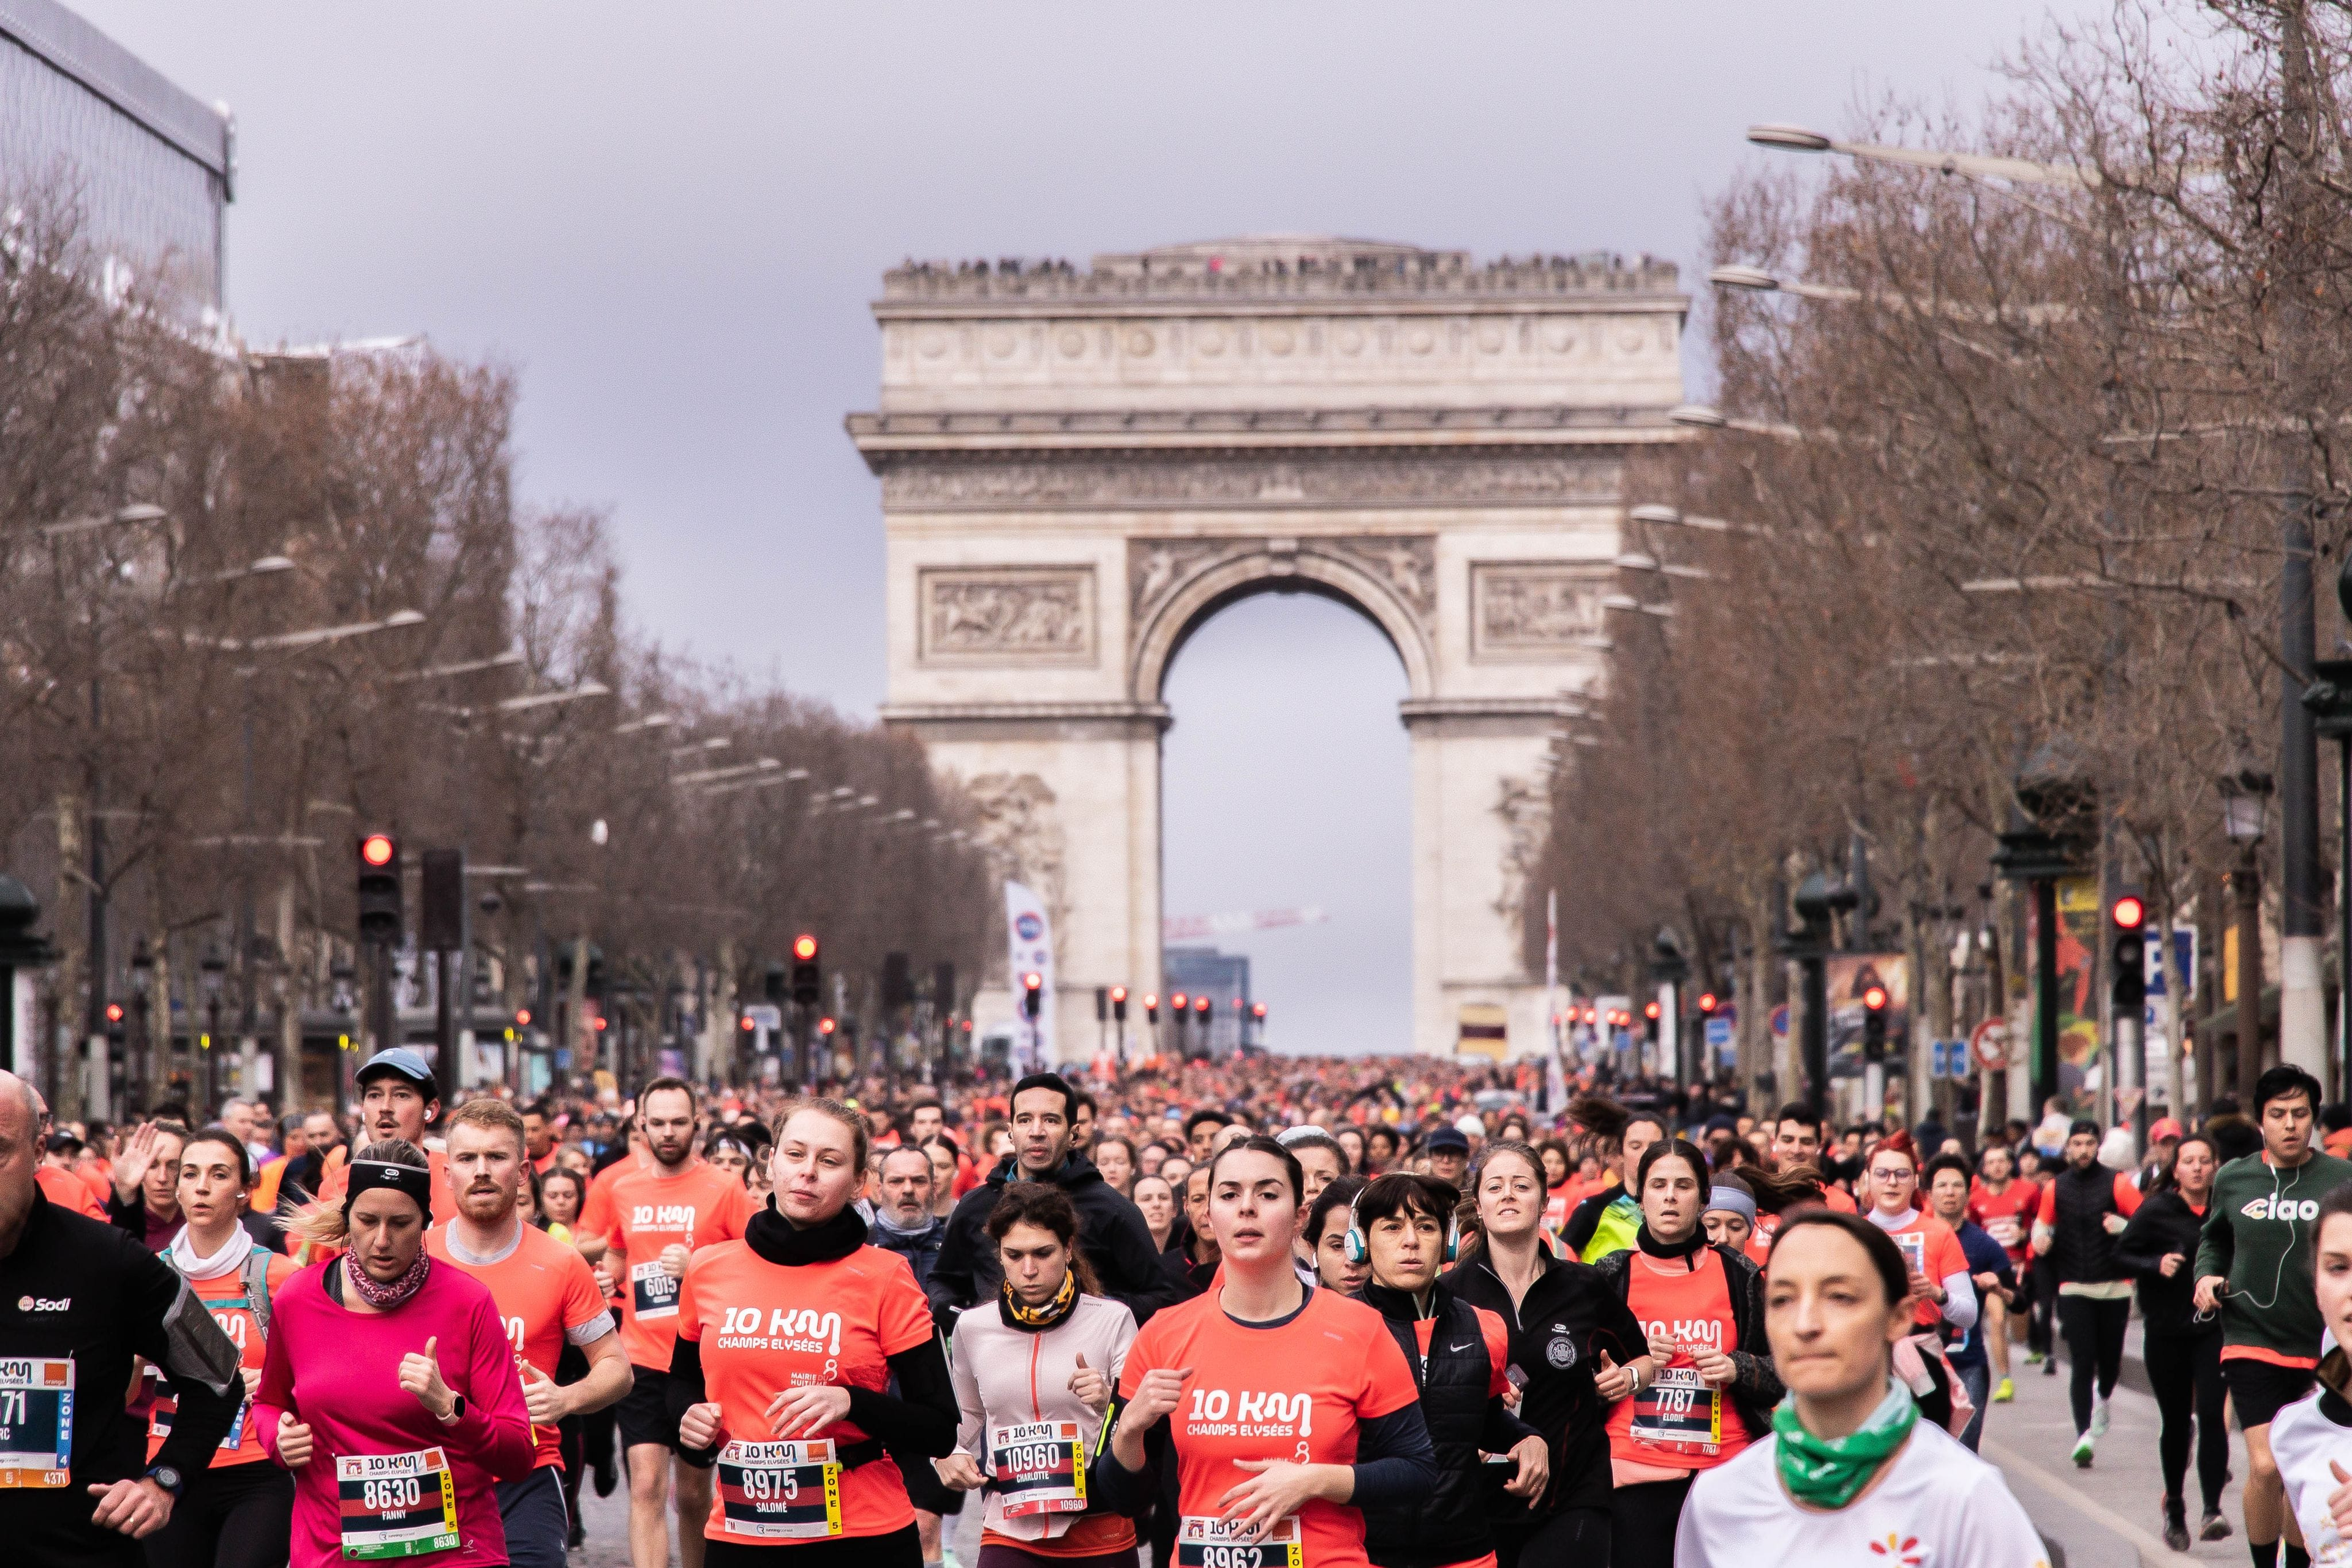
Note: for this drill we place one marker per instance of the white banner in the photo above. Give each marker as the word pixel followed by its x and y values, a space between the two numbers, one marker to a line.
pixel 1029 938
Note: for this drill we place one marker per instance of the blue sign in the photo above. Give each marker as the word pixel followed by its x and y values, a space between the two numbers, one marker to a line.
pixel 1718 1041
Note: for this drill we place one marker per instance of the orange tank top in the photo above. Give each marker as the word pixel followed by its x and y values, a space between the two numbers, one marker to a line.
pixel 1677 1421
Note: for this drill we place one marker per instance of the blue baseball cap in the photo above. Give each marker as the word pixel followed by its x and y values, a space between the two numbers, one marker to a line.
pixel 1448 1140
pixel 408 1064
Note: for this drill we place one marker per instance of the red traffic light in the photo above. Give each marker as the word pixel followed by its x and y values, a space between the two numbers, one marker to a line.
pixel 824 1026
pixel 1258 1012
pixel 1179 1001
pixel 1033 981
pixel 967 1026
pixel 804 947
pixel 1707 1003
pixel 1874 998
pixel 1152 999
pixel 378 849
pixel 1650 1011
pixel 603 1024
pixel 522 1017
pixel 747 1025
pixel 1200 1006
pixel 2130 913
pixel 1119 992
pixel 114 1012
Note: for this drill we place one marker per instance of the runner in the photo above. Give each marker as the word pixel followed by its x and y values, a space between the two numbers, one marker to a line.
pixel 786 1341
pixel 1113 1233
pixel 2312 1439
pixel 1403 1227
pixel 1797 1141
pixel 1285 1410
pixel 1154 1198
pixel 1949 1184
pixel 80 1304
pixel 2253 1266
pixel 2003 1204
pixel 1570 1333
pixel 904 1224
pixel 59 1178
pixel 397 1102
pixel 1944 1293
pixel 2084 1209
pixel 1701 1307
pixel 146 1201
pixel 1033 1373
pixel 389 1387
pixel 1849 1473
pixel 1607 1221
pixel 546 1296
pixel 1731 1216
pixel 661 1216
pixel 2183 1353
pixel 234 1513
pixel 1337 1266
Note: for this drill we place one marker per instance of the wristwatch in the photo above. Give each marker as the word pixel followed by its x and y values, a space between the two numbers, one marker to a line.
pixel 457 1409
pixel 168 1478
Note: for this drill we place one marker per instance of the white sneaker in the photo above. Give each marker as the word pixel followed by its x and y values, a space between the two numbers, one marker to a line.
pixel 2098 1418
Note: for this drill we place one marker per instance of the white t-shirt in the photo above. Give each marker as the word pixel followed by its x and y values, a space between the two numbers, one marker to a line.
pixel 2304 1440
pixel 1940 1507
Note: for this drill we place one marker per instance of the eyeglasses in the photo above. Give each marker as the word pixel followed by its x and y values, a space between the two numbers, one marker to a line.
pixel 1890 1173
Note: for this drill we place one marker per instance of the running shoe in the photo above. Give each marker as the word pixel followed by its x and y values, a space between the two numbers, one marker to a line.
pixel 2050 1367
pixel 2083 1451
pixel 2176 1524
pixel 2099 1416
pixel 2036 1358
pixel 2215 1527
pixel 2006 1391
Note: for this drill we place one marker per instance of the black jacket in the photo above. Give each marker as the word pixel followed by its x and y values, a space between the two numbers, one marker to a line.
pixel 2165 1223
pixel 2081 1250
pixel 920 1249
pixel 1450 1525
pixel 1111 1233
pixel 74 1287
pixel 1755 1386
pixel 1570 1318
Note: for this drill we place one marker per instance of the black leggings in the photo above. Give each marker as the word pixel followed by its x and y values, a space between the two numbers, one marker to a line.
pixel 1572 1538
pixel 899 1549
pixel 2094 1342
pixel 2186 1372
pixel 239 1516
pixel 2043 1280
pixel 1642 1535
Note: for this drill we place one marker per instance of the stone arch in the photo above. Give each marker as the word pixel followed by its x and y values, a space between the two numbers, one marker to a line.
pixel 1277 567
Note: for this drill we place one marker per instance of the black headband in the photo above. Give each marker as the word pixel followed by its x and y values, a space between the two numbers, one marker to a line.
pixel 369 1174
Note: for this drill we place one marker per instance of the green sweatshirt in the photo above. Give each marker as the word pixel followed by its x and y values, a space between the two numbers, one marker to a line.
pixel 2258 1234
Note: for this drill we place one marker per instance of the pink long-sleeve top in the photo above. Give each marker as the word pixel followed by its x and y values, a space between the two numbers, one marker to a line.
pixel 339 1372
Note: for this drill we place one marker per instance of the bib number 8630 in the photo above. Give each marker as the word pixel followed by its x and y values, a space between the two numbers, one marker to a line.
pixel 393 1494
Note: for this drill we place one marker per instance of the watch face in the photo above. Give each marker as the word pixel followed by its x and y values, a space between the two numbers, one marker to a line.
pixel 167 1477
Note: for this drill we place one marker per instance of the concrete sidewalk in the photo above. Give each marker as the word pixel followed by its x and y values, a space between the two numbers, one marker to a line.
pixel 2110 1515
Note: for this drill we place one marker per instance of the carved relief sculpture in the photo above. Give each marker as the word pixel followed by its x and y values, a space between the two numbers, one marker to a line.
pixel 1534 611
pixel 1019 816
pixel 1008 615
pixel 1534 478
pixel 1526 810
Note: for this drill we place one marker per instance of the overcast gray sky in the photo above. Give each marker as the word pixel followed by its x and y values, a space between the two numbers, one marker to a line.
pixel 669 219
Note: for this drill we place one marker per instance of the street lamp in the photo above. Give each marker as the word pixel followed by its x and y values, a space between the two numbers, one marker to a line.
pixel 2245 798
pixel 2050 830
pixel 1809 945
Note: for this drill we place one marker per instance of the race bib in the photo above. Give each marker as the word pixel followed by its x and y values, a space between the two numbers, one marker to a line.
pixel 1040 1468
pixel 1913 1246
pixel 1679 1410
pixel 1219 1543
pixel 396 1505
pixel 2003 1228
pixel 780 1492
pixel 36 1406
pixel 653 1291
pixel 158 1421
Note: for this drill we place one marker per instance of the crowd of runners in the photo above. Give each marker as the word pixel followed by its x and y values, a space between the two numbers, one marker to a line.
pixel 1257 1312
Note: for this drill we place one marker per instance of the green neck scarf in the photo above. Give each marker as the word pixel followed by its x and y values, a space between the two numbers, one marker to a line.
pixel 1826 1472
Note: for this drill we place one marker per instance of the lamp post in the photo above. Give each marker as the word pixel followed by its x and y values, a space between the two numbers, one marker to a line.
pixel 2048 834
pixel 135 1076
pixel 20 950
pixel 1670 969
pixel 214 967
pixel 1809 945
pixel 2328 699
pixel 2245 796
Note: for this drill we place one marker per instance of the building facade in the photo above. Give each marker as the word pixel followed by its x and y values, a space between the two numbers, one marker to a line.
pixel 1080 468
pixel 149 168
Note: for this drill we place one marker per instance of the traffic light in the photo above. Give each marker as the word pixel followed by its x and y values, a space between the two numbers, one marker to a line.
pixel 522 1017
pixel 1032 994
pixel 1118 1004
pixel 825 1027
pixel 1873 1024
pixel 1178 1004
pixel 2130 917
pixel 1151 1007
pixel 1200 1006
pixel 807 977
pixel 1649 1014
pixel 1258 1012
pixel 1707 1004
pixel 380 910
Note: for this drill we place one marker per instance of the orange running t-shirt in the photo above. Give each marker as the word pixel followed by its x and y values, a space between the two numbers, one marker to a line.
pixel 227 1299
pixel 764 1328
pixel 68 1191
pixel 546 1294
pixel 1685 1426
pixel 696 1208
pixel 1930 1248
pixel 2007 1216
pixel 337 1180
pixel 1292 1390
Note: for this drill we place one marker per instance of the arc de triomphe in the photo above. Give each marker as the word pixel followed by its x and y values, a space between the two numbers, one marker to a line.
pixel 1079 468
